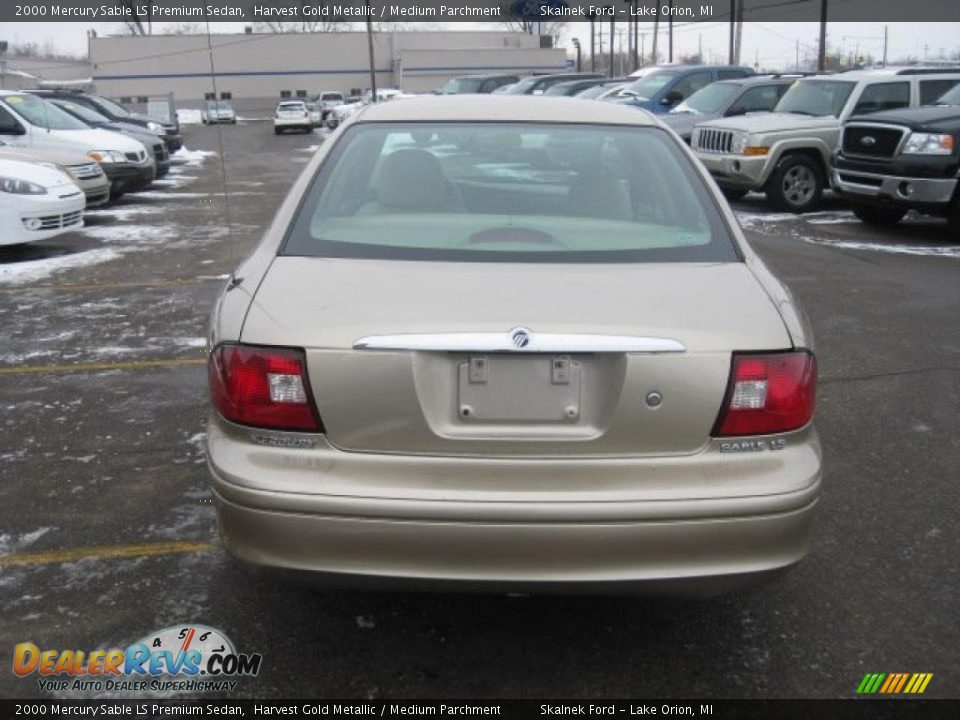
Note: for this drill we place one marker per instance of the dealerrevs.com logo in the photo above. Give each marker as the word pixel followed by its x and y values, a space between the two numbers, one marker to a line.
pixel 187 658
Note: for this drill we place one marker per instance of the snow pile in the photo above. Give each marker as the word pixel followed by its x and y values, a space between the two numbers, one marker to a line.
pixel 186 116
pixel 894 248
pixel 191 158
pixel 20 273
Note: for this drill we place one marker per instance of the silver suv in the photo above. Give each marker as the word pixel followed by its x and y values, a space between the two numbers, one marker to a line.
pixel 786 153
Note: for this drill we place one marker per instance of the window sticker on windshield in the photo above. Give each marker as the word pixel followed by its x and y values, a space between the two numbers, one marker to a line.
pixel 14 100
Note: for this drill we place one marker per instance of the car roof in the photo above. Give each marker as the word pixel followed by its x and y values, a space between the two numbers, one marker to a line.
pixel 485 77
pixel 889 73
pixel 673 69
pixel 503 108
pixel 759 80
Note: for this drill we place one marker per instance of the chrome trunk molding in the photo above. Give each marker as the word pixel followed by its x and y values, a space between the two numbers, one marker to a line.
pixel 519 340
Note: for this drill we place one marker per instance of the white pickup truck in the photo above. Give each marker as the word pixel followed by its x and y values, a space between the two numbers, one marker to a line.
pixel 786 153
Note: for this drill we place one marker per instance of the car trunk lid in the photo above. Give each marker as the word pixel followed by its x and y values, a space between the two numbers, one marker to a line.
pixel 649 380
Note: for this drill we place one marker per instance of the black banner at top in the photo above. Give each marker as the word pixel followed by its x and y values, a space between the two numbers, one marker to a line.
pixel 546 11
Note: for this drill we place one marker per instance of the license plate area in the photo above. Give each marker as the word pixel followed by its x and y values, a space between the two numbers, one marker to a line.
pixel 528 388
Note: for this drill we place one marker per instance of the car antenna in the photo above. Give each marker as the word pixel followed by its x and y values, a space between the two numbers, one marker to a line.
pixel 223 165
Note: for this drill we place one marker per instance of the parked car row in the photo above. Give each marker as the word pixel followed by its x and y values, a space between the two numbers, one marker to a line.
pixel 868 134
pixel 64 151
pixel 791 153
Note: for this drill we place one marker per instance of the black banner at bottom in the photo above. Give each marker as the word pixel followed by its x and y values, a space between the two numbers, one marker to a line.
pixel 855 709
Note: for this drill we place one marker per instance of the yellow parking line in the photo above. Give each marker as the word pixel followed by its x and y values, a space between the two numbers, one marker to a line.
pixel 97 367
pixel 104 552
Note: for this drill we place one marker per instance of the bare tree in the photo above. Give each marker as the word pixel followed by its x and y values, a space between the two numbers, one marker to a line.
pixel 530 27
pixel 135 25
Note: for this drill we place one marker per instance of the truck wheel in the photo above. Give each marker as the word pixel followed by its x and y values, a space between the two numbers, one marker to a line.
pixel 731 193
pixel 878 216
pixel 796 185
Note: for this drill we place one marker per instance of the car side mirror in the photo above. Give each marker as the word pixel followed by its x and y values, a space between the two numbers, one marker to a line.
pixel 671 98
pixel 627 93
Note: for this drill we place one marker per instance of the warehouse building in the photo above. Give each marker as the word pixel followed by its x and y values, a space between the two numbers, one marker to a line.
pixel 255 69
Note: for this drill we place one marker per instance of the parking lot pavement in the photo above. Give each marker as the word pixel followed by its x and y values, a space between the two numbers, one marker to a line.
pixel 107 532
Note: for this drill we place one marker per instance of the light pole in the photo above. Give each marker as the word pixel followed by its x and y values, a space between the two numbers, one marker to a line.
pixel 593 36
pixel 576 44
pixel 612 30
pixel 670 32
pixel 373 66
pixel 822 51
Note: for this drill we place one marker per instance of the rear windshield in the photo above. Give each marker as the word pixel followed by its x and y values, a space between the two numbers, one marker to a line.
pixel 503 192
pixel 291 106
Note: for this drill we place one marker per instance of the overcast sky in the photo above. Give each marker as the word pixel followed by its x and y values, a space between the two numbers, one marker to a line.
pixel 773 44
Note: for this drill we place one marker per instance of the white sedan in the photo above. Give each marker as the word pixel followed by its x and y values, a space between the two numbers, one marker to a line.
pixel 292 115
pixel 37 203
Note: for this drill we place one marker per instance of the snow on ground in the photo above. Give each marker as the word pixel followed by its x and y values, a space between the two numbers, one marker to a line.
pixel 894 248
pixel 187 116
pixel 31 271
pixel 9 543
pixel 161 195
pixel 191 342
pixel 191 158
pixel 175 180
pixel 126 236
pixel 122 213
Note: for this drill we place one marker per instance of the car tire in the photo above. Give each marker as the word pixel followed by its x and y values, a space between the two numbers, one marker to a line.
pixel 878 216
pixel 276 131
pixel 796 184
pixel 953 219
pixel 733 193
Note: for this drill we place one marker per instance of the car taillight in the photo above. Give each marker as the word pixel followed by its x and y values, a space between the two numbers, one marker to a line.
pixel 768 393
pixel 263 386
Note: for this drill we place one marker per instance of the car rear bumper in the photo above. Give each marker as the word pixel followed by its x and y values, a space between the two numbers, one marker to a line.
pixel 513 541
pixel 284 123
pixel 890 189
pixel 701 554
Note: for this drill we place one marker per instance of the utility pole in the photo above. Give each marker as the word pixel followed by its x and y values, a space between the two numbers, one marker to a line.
pixel 612 32
pixel 373 66
pixel 593 49
pixel 700 49
pixel 733 14
pixel 576 44
pixel 738 52
pixel 637 55
pixel 670 32
pixel 822 52
pixel 656 32
pixel 886 36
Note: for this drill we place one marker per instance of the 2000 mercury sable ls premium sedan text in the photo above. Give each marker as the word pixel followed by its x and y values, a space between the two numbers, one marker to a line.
pixel 480 348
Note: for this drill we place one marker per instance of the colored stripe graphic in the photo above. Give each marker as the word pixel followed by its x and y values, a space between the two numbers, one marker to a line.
pixel 894 683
